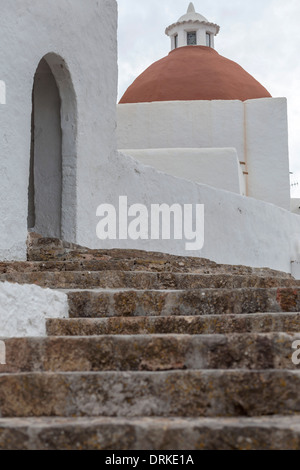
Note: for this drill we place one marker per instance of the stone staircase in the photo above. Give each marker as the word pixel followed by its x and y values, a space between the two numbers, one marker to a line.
pixel 159 353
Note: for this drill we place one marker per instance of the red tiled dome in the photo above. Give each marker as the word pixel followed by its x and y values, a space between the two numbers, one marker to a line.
pixel 194 73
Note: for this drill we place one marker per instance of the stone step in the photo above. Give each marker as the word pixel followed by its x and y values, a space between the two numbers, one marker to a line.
pixel 111 303
pixel 210 393
pixel 165 434
pixel 51 249
pixel 150 353
pixel 194 325
pixel 144 280
pixel 109 263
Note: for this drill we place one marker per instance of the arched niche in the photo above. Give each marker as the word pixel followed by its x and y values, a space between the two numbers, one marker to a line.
pixel 53 156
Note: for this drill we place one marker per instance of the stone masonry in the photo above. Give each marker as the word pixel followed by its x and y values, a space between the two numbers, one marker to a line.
pixel 159 353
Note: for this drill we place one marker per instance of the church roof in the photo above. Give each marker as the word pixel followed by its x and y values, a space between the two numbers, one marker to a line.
pixel 194 73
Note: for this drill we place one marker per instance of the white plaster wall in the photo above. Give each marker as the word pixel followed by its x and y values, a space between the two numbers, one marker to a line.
pixel 84 35
pixel 215 167
pixel 267 150
pixel 182 124
pixel 238 230
pixel 25 308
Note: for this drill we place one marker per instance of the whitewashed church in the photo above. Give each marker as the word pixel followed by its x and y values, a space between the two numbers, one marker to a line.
pixel 135 348
pixel 194 128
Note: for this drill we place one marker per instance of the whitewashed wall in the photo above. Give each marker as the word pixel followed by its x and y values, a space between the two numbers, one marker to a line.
pixel 257 129
pixel 215 167
pixel 84 36
pixel 238 230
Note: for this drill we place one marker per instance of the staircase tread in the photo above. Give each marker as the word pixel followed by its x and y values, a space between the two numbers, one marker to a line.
pixel 292 421
pixel 158 273
pixel 183 317
pixel 175 372
pixel 140 337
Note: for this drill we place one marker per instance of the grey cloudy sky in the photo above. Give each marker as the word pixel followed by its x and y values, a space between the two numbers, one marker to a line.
pixel 262 36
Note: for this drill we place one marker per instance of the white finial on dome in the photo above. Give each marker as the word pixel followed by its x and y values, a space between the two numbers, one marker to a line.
pixel 192 29
pixel 191 8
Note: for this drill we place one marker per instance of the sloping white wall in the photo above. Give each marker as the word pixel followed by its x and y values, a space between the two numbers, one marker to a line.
pixel 238 230
pixel 215 167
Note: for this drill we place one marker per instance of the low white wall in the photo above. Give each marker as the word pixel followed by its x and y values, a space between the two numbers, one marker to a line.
pixel 25 308
pixel 219 168
pixel 238 230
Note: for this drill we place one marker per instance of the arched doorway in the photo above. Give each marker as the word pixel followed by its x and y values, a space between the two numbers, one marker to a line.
pixel 52 181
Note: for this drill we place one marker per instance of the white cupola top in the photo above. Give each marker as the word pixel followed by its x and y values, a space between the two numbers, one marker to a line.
pixel 192 29
pixel 191 15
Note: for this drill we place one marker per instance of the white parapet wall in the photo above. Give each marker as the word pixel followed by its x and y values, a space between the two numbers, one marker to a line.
pixel 215 167
pixel 257 129
pixel 25 308
pixel 238 230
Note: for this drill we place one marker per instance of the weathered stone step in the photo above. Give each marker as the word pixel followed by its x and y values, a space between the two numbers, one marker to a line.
pixel 151 353
pixel 112 303
pixel 143 280
pixel 100 433
pixel 109 263
pixel 50 249
pixel 208 393
pixel 194 325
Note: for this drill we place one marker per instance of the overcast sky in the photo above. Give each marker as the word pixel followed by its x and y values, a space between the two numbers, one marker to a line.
pixel 262 36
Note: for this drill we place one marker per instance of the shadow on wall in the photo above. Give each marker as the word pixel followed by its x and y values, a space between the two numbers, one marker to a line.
pixel 53 155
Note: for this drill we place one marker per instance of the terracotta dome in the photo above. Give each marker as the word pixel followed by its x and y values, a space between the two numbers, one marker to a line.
pixel 194 73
